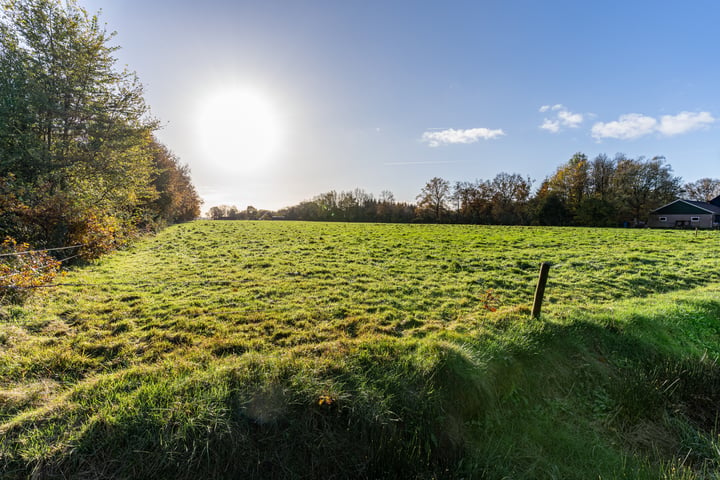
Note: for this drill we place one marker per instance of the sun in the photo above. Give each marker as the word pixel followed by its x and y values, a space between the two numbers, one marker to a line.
pixel 238 129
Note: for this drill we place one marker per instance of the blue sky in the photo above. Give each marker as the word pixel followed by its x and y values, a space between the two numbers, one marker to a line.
pixel 384 95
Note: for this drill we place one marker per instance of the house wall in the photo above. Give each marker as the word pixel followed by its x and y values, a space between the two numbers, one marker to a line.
pixel 706 220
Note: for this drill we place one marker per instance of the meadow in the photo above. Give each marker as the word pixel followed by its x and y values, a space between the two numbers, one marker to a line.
pixel 300 350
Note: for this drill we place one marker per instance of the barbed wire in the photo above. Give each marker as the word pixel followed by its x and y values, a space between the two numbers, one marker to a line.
pixel 16 273
pixel 133 284
pixel 69 258
pixel 27 252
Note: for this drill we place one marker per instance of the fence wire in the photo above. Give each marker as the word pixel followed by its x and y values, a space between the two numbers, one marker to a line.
pixel 131 284
pixel 27 252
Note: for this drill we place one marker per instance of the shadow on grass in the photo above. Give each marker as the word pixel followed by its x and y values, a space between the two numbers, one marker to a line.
pixel 599 397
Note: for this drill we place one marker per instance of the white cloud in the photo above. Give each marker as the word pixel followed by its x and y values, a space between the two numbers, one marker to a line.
pixel 563 118
pixel 684 122
pixel 451 136
pixel 628 126
pixel 552 126
pixel 568 119
pixel 635 125
pixel 546 108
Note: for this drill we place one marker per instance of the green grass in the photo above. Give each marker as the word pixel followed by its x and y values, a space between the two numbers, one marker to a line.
pixel 307 350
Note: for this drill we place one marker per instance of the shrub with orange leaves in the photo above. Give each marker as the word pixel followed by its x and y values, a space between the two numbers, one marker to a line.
pixel 22 269
pixel 98 234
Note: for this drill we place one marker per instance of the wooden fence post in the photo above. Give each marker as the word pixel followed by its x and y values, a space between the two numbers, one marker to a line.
pixel 540 289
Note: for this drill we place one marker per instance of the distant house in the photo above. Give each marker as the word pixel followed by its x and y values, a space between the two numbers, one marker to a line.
pixel 268 216
pixel 687 214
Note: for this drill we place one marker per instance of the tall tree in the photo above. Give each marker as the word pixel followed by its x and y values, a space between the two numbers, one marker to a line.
pixel 601 173
pixel 641 185
pixel 702 190
pixel 74 128
pixel 176 199
pixel 510 193
pixel 571 180
pixel 598 206
pixel 474 201
pixel 327 205
pixel 548 208
pixel 384 207
pixel 434 196
pixel 462 195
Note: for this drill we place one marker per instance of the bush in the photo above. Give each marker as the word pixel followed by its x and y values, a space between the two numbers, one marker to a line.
pixel 22 269
pixel 98 234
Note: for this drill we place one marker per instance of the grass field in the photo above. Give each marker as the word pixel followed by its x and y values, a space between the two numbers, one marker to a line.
pixel 301 350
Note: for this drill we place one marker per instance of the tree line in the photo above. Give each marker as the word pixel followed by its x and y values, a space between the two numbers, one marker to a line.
pixel 601 192
pixel 79 163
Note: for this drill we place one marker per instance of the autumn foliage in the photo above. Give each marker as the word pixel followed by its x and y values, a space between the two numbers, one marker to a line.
pixel 79 163
pixel 97 233
pixel 22 268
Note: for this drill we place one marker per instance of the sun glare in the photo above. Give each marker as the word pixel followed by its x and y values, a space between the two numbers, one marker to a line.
pixel 239 130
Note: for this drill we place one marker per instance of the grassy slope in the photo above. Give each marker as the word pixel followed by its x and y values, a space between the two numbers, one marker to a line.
pixel 348 350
